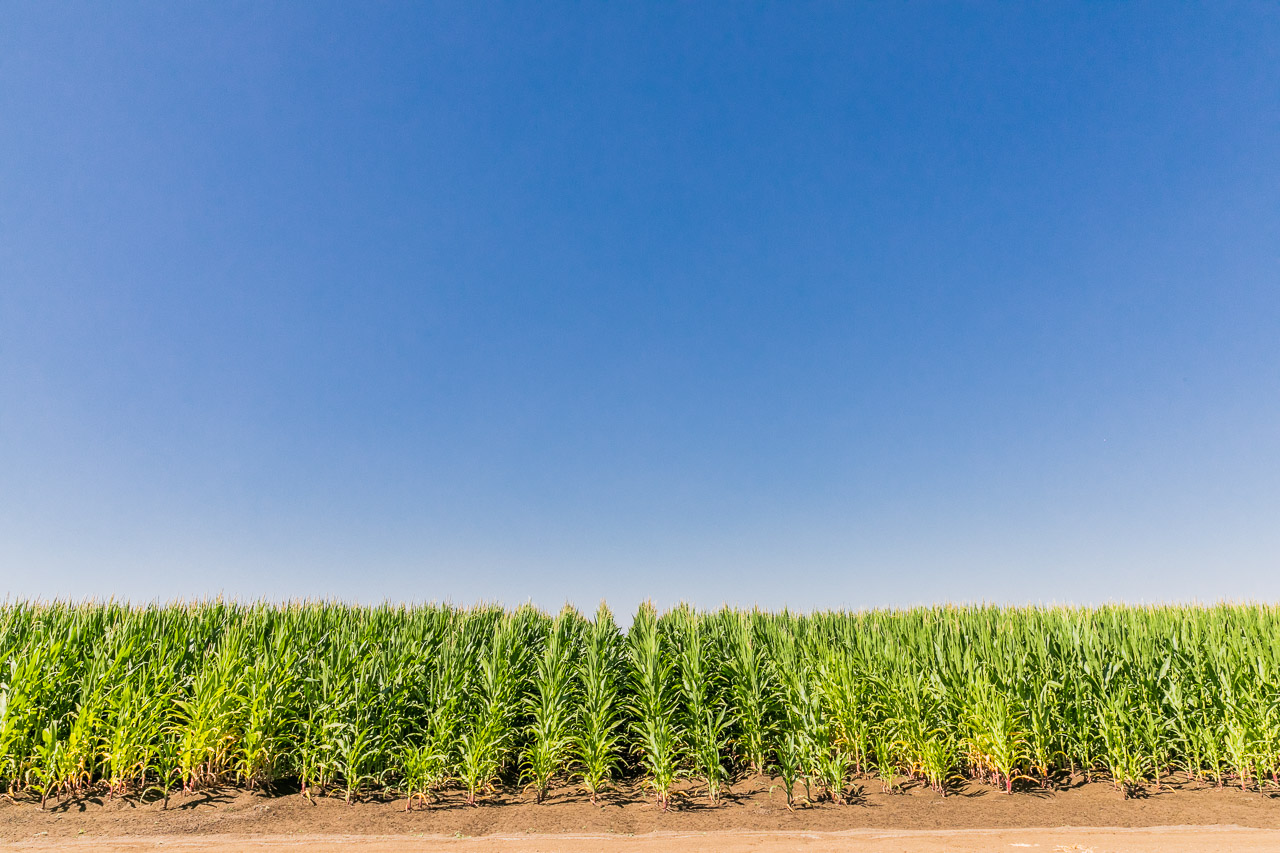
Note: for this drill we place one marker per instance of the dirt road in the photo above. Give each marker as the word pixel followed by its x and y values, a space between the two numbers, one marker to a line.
pixel 1200 839
pixel 753 817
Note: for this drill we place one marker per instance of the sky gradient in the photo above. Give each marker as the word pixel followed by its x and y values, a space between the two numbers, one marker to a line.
pixel 780 304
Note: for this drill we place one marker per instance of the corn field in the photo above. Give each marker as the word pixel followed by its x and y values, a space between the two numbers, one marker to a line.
pixel 347 701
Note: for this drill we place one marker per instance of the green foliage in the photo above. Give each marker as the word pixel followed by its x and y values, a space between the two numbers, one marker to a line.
pixel 654 706
pixel 344 700
pixel 490 731
pixel 553 704
pixel 701 686
pixel 601 672
pixel 751 692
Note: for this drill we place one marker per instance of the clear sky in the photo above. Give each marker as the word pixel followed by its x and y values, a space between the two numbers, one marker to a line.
pixel 780 304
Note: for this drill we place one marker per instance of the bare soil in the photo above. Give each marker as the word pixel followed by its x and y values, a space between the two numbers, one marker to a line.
pixel 754 817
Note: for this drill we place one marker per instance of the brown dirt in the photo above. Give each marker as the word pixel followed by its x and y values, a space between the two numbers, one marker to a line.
pixel 1185 817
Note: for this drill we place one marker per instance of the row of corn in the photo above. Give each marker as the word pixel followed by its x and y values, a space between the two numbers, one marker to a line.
pixel 342 700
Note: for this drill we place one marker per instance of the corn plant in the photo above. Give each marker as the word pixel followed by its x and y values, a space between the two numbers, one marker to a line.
pixel 705 712
pixel 790 757
pixel 654 697
pixel 489 736
pixel 436 756
pixel 208 721
pixel 553 704
pixel 799 699
pixel 751 694
pixel 995 742
pixel 600 674
pixel 884 752
pixel 133 701
pixel 269 722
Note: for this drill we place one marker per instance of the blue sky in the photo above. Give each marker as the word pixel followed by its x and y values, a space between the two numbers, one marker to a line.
pixel 808 305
